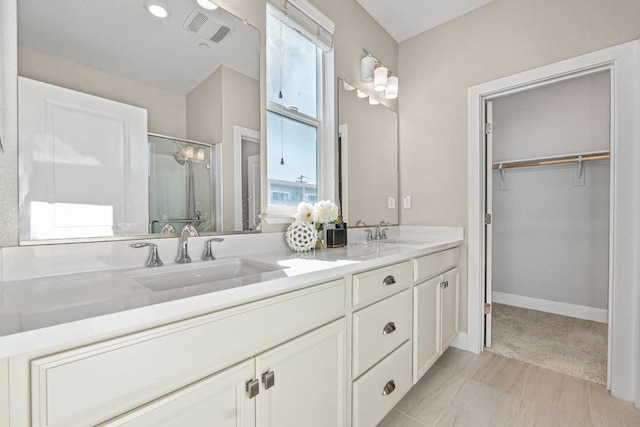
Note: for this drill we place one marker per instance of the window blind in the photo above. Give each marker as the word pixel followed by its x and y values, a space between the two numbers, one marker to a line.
pixel 306 19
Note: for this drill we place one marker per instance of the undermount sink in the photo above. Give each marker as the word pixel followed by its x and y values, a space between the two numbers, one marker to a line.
pixel 228 272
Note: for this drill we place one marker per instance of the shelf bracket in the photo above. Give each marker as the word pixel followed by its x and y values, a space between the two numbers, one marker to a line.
pixel 579 178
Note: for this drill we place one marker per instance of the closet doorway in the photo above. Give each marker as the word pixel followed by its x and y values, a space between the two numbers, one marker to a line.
pixel 547 189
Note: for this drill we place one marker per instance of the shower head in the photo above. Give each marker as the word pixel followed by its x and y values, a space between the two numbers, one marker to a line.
pixel 180 158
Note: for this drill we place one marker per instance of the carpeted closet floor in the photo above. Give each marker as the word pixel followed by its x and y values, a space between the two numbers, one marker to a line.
pixel 564 344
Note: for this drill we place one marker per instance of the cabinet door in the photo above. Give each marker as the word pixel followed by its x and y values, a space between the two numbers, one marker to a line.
pixel 449 307
pixel 426 327
pixel 303 382
pixel 220 400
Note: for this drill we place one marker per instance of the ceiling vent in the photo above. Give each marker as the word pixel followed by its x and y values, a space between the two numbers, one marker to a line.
pixel 206 27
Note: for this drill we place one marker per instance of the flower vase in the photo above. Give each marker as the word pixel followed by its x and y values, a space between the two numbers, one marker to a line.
pixel 320 241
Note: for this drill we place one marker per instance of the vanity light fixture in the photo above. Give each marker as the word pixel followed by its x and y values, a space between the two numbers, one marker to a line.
pixel 207 4
pixel 157 9
pixel 373 101
pixel 361 94
pixel 372 70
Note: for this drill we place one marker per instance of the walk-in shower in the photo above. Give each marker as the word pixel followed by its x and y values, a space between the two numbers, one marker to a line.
pixel 181 189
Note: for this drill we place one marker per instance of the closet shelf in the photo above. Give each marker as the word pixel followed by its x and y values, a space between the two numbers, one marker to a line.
pixel 577 158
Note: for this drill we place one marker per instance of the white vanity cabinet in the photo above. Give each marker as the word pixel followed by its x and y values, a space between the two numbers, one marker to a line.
pixel 94 383
pixel 435 306
pixel 298 383
pixel 381 355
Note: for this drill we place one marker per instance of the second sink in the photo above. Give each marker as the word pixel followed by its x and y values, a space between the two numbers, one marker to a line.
pixel 181 276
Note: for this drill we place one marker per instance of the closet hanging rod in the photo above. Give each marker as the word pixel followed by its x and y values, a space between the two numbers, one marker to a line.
pixel 574 159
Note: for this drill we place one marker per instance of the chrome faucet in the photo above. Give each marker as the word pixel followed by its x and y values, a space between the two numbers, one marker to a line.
pixel 360 222
pixel 208 255
pixel 154 259
pixel 381 233
pixel 183 247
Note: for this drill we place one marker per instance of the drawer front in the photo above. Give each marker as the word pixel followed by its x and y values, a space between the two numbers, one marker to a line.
pixel 379 329
pixel 430 265
pixel 374 285
pixel 94 383
pixel 378 391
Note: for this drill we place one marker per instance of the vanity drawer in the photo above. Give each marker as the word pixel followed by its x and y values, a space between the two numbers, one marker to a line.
pixel 379 329
pixel 90 384
pixel 430 265
pixel 373 285
pixel 393 376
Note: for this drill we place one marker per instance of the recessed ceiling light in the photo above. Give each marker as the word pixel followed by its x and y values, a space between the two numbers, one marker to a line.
pixel 207 4
pixel 157 9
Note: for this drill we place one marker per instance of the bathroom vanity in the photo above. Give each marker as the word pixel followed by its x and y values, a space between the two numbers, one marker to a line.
pixel 335 339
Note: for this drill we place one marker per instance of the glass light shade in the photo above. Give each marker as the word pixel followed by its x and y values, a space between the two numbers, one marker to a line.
pixel 392 88
pixel 207 4
pixel 373 101
pixel 347 86
pixel 367 65
pixel 361 94
pixel 380 79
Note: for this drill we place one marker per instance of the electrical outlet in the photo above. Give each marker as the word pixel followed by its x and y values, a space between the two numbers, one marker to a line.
pixel 391 202
pixel 407 202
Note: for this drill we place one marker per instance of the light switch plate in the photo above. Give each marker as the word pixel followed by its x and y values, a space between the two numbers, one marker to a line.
pixel 391 202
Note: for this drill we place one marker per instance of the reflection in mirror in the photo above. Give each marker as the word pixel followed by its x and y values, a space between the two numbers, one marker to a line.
pixel 368 158
pixel 100 81
pixel 181 185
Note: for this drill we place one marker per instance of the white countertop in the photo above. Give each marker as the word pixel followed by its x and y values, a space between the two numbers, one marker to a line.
pixel 41 312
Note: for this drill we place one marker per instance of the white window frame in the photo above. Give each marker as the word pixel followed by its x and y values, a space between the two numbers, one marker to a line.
pixel 324 123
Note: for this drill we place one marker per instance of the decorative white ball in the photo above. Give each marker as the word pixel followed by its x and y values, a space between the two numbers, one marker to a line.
pixel 301 236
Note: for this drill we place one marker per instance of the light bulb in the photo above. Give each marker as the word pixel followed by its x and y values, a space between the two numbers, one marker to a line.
pixel 392 88
pixel 367 66
pixel 380 79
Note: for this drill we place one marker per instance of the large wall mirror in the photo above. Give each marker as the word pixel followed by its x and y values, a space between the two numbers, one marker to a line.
pixel 133 124
pixel 368 157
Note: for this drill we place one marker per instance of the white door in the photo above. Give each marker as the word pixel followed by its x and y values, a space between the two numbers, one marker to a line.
pixel 83 164
pixel 426 327
pixel 220 400
pixel 303 382
pixel 488 224
pixel 253 190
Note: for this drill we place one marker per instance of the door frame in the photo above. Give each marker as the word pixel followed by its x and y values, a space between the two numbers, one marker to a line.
pixel 239 134
pixel 623 377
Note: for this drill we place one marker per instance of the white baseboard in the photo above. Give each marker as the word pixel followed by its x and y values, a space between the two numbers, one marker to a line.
pixel 461 341
pixel 563 308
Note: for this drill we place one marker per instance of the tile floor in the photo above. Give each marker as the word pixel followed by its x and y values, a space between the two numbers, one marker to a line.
pixel 464 389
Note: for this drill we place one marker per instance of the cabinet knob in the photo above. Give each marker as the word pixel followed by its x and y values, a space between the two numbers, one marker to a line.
pixel 389 388
pixel 269 379
pixel 389 328
pixel 442 285
pixel 253 388
pixel 389 280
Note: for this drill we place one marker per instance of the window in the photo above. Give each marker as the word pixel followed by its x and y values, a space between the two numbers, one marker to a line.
pixel 296 44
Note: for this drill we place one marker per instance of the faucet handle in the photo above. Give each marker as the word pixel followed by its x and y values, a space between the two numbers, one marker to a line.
pixel 154 259
pixel 207 255
pixel 383 233
pixel 369 234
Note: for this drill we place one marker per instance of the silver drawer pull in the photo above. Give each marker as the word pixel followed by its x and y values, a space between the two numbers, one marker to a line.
pixel 269 379
pixel 389 280
pixel 389 328
pixel 389 388
pixel 253 388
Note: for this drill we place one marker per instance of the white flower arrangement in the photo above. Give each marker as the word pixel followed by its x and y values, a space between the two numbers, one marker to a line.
pixel 322 212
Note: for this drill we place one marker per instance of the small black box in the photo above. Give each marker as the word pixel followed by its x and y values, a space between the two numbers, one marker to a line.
pixel 336 237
